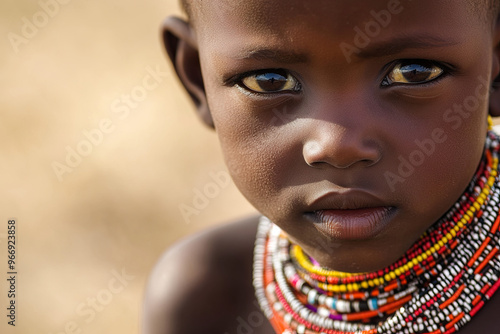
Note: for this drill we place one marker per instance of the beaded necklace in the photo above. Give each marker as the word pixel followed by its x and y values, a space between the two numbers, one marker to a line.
pixel 441 282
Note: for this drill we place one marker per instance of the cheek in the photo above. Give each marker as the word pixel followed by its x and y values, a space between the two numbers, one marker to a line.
pixel 256 147
pixel 439 162
pixel 256 161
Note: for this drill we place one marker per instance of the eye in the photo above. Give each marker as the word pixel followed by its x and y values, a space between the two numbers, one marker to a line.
pixel 270 81
pixel 413 72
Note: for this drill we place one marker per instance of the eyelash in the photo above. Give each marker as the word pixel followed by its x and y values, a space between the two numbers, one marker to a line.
pixel 444 69
pixel 238 81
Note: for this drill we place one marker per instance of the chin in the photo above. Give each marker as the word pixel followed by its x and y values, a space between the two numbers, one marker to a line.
pixel 356 257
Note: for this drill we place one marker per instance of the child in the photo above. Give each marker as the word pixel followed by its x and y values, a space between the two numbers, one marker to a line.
pixel 359 129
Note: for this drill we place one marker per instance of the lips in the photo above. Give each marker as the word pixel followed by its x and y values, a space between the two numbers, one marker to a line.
pixel 350 215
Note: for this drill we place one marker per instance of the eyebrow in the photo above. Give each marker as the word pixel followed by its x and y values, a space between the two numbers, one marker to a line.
pixel 375 49
pixel 271 54
pixel 402 43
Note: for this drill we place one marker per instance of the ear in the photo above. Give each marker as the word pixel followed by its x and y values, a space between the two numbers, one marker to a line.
pixel 181 46
pixel 495 85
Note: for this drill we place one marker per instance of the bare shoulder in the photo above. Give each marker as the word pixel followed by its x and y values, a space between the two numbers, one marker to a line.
pixel 203 284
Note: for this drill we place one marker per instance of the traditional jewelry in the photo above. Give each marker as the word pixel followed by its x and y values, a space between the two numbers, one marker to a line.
pixel 440 283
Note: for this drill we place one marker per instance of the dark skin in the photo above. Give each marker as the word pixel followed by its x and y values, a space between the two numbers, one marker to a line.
pixel 310 131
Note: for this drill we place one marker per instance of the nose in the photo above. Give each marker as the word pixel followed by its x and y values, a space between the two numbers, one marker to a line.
pixel 340 145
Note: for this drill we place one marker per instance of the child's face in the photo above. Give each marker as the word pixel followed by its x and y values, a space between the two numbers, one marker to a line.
pixel 353 125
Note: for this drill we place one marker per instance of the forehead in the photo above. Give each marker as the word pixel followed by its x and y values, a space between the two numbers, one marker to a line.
pixel 265 14
pixel 229 27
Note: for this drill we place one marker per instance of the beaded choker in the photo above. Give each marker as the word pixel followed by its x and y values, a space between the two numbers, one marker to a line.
pixel 441 282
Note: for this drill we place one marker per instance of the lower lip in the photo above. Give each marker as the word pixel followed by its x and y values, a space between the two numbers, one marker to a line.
pixel 356 224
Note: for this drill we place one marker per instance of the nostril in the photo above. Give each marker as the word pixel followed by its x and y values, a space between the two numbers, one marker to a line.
pixel 316 164
pixel 340 154
pixel 367 162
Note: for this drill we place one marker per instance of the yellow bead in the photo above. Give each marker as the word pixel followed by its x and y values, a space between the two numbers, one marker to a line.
pixel 355 286
pixel 393 275
pixel 364 285
pixel 387 277
pixel 398 271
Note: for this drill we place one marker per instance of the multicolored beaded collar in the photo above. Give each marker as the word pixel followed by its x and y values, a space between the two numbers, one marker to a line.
pixel 436 287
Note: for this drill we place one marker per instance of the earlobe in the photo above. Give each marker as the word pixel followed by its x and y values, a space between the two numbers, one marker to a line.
pixel 181 47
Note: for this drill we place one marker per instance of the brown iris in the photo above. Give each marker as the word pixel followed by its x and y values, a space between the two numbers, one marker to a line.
pixel 413 73
pixel 270 82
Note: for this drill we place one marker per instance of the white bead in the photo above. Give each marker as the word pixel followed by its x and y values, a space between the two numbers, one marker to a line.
pixel 343 306
pixel 311 296
pixel 277 306
pixel 323 312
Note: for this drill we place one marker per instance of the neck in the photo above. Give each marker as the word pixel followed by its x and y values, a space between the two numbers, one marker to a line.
pixel 439 284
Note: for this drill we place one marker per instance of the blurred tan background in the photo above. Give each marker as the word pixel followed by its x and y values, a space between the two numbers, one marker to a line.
pixel 100 151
